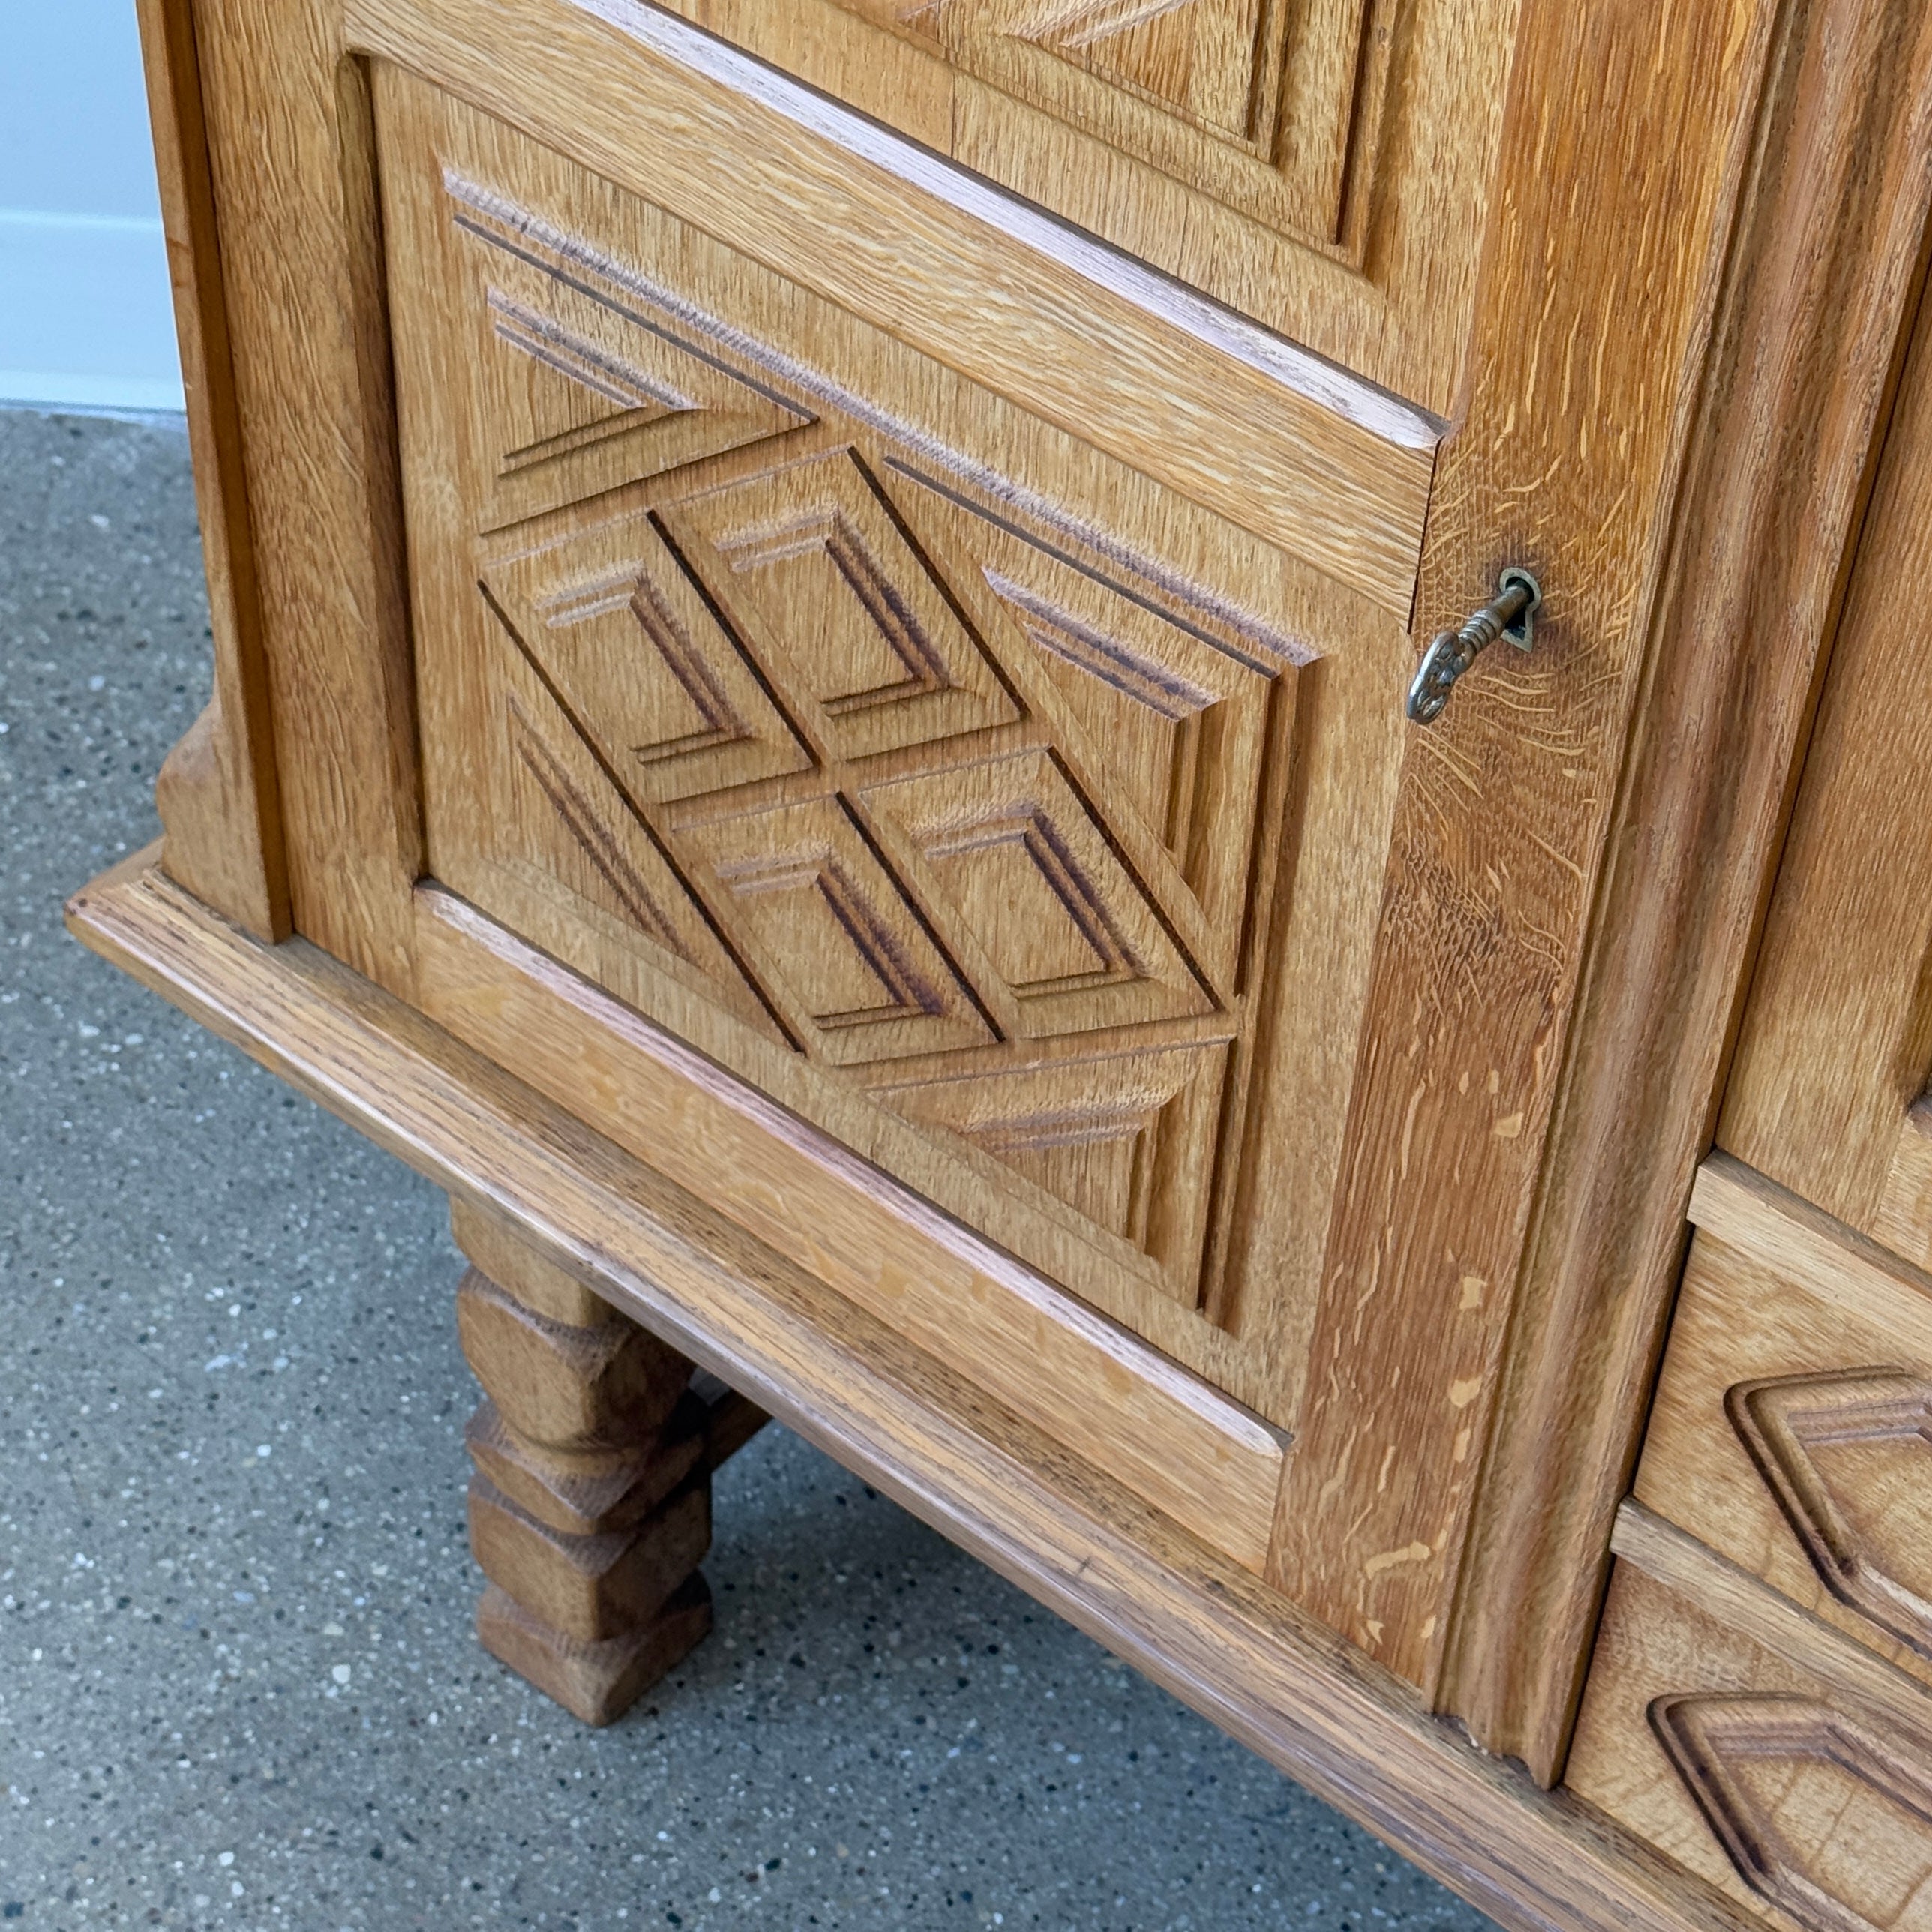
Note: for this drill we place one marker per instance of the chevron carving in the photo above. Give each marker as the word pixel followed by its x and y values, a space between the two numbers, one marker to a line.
pixel 1826 1816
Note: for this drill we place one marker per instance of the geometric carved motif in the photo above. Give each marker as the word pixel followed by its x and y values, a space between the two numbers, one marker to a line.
pixel 599 848
pixel 839 942
pixel 1271 107
pixel 946 801
pixel 1184 715
pixel 1033 878
pixel 818 564
pixel 1201 59
pixel 1111 1135
pixel 1827 1817
pixel 1849 1457
pixel 585 393
pixel 642 658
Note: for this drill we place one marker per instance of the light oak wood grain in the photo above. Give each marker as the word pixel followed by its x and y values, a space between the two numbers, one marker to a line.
pixel 1040 869
pixel 598 1681
pixel 1797 1242
pixel 1751 1768
pixel 1343 213
pixel 1506 804
pixel 1823 283
pixel 585 1493
pixel 1739 1601
pixel 589 1588
pixel 1836 1041
pixel 1788 1430
pixel 573 1389
pixel 1039 1513
pixel 494 1246
pixel 1168 1436
pixel 219 793
pixel 1237 431
pixel 291 162
pixel 590 1505
pixel 1903 1220
pixel 874 711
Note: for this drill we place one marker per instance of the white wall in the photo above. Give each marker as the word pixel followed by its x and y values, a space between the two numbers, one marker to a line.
pixel 84 314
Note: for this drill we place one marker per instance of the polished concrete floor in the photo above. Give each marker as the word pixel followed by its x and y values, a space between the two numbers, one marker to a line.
pixel 237 1686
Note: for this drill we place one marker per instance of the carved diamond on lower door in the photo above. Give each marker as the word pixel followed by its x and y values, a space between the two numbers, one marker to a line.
pixel 1026 871
pixel 838 942
pixel 597 393
pixel 578 830
pixel 1849 1456
pixel 1125 1137
pixel 1827 1817
pixel 813 560
pixel 587 379
pixel 607 612
pixel 1194 714
pixel 1201 59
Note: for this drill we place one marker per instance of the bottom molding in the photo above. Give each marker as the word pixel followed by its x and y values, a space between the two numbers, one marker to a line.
pixel 1191 1619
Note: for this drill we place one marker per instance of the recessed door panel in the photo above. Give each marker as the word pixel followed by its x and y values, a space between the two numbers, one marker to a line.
pixel 947 780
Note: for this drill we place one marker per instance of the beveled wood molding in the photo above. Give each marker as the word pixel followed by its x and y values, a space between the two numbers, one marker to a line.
pixel 1825 269
pixel 1486 914
pixel 1781 1420
pixel 1165 1434
pixel 1073 345
pixel 1324 383
pixel 219 799
pixel 1019 854
pixel 1833 1263
pixel 1903 1222
pixel 1826 1090
pixel 1748 1605
pixel 1714 1742
pixel 299 214
pixel 1194 1621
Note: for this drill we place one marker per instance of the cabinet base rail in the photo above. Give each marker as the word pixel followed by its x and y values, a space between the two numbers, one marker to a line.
pixel 1191 1619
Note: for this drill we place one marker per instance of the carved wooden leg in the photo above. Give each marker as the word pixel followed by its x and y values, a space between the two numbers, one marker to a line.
pixel 590 1507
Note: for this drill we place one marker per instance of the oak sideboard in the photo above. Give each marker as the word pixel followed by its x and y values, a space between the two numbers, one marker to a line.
pixel 1165 761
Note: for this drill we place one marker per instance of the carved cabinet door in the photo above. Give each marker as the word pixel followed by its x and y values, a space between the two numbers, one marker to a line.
pixel 916 523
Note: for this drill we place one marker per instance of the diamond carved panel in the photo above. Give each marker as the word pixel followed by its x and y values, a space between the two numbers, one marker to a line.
pixel 1121 1137
pixel 905 776
pixel 640 658
pixel 1198 57
pixel 1827 1817
pixel 1184 711
pixel 1849 1456
pixel 814 560
pixel 1024 868
pixel 581 830
pixel 1272 107
pixel 837 938
pixel 588 378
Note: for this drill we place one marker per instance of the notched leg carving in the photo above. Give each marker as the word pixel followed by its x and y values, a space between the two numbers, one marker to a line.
pixel 590 1504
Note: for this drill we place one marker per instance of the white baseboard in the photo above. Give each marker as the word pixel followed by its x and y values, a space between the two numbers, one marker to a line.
pixel 86 319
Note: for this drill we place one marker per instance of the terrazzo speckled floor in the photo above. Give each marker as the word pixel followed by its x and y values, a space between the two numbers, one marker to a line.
pixel 238 1686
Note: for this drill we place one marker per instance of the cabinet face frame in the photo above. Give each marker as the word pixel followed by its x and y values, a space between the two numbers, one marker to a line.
pixel 1827 262
pixel 1502 811
pixel 1828 1095
pixel 566 798
pixel 1203 1626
